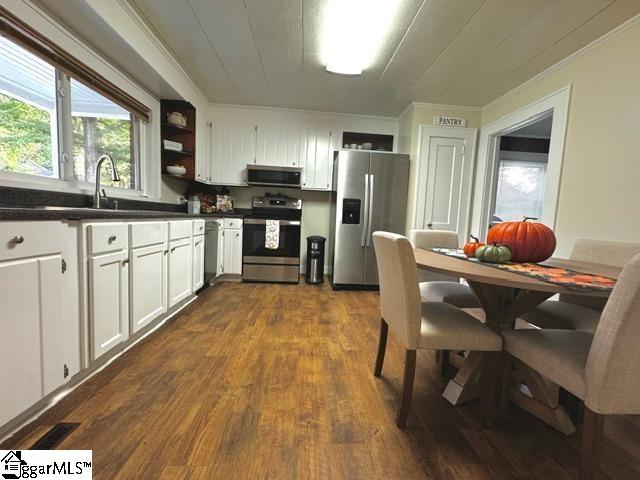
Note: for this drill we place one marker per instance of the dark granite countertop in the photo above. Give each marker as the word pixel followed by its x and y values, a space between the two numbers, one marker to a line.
pixel 71 213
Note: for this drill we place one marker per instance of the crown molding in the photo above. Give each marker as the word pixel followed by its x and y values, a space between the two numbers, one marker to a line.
pixel 568 59
pixel 301 110
pixel 444 106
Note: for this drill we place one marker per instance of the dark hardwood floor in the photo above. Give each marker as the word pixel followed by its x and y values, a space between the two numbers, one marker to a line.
pixel 276 381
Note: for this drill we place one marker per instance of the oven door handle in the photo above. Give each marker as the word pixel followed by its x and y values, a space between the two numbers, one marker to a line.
pixel 259 221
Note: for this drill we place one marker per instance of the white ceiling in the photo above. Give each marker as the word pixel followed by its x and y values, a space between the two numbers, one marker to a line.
pixel 461 52
pixel 539 129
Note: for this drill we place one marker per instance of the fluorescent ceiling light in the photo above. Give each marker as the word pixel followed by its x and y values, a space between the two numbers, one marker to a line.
pixel 353 32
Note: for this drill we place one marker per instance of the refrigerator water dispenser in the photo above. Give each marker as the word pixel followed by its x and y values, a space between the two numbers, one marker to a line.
pixel 351 211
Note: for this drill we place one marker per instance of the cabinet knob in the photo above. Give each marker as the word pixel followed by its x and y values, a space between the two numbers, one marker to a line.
pixel 18 239
pixel 125 261
pixel 166 251
pixel 237 234
pixel 173 249
pixel 112 238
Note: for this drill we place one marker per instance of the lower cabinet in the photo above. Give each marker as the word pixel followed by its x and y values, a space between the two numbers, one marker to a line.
pixel 198 262
pixel 180 270
pixel 232 251
pixel 30 342
pixel 148 284
pixel 108 301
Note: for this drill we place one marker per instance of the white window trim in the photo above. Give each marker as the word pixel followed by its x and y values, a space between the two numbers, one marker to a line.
pixel 149 132
pixel 558 102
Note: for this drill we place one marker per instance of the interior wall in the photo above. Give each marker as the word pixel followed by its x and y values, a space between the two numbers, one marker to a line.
pixel 409 130
pixel 601 158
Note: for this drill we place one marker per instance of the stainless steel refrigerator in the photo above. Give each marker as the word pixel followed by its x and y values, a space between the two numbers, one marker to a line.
pixel 369 194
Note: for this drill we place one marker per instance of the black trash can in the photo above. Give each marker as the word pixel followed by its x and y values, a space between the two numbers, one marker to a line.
pixel 315 259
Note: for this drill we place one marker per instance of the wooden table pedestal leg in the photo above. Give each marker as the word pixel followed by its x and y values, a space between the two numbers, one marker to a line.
pixel 502 306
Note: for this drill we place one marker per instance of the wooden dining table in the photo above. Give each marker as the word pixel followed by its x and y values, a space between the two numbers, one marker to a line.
pixel 504 296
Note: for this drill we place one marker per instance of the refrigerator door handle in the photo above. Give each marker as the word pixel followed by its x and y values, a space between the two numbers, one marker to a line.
pixel 370 211
pixel 365 213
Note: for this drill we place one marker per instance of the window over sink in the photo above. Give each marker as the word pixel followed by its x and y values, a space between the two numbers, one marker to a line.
pixel 45 113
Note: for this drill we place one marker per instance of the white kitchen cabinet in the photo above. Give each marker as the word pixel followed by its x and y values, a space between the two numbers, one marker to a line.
pixel 198 262
pixel 233 147
pixel 180 270
pixel 220 255
pixel 232 255
pixel 148 284
pixel 278 146
pixel 204 137
pixel 316 159
pixel 31 339
pixel 108 301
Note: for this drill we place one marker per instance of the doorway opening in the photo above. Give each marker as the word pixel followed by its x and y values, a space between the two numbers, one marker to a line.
pixel 520 164
pixel 521 172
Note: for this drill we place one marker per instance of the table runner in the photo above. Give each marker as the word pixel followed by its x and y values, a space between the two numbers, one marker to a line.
pixel 558 276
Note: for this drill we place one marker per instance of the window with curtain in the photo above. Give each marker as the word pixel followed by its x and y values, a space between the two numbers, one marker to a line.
pixel 58 116
pixel 28 113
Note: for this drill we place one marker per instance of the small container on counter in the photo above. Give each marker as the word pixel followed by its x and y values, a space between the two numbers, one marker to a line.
pixel 193 207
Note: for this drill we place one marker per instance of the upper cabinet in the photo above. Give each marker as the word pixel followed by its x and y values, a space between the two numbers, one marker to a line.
pixel 316 158
pixel 203 150
pixel 229 139
pixel 278 146
pixel 232 148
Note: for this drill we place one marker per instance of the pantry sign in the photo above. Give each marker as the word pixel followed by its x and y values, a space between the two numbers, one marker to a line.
pixel 444 121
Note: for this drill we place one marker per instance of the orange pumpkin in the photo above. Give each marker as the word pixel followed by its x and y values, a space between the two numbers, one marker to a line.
pixel 470 247
pixel 528 241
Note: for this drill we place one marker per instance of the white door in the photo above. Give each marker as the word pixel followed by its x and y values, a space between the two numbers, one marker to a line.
pixel 148 285
pixel 180 270
pixel 31 313
pixel 278 146
pixel 233 147
pixel 444 179
pixel 198 262
pixel 108 301
pixel 316 157
pixel 232 251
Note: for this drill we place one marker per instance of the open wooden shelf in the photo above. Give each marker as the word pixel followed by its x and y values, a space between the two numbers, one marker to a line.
pixel 183 177
pixel 170 126
pixel 184 135
pixel 381 143
pixel 187 153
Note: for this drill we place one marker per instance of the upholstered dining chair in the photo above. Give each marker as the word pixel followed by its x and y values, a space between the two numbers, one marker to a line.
pixel 601 369
pixel 417 324
pixel 437 287
pixel 575 312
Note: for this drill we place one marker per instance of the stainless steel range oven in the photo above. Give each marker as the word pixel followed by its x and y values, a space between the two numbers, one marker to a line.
pixel 276 260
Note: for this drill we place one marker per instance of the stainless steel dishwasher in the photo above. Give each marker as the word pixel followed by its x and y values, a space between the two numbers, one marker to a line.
pixel 211 228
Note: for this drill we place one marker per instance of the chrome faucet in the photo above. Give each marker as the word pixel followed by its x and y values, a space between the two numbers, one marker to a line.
pixel 114 176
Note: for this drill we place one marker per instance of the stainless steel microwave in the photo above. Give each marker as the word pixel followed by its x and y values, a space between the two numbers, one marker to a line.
pixel 267 176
